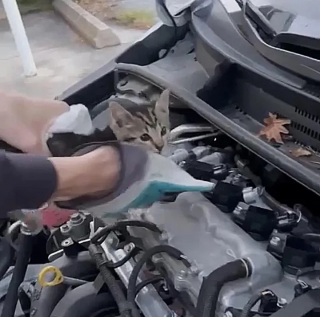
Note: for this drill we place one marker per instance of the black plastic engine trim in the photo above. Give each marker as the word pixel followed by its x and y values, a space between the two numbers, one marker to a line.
pixel 91 303
pixel 292 168
pixel 306 305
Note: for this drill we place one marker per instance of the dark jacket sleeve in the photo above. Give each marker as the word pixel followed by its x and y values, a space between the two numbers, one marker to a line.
pixel 26 181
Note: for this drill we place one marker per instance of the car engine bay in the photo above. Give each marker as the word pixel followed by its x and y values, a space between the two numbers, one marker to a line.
pixel 236 251
pixel 248 248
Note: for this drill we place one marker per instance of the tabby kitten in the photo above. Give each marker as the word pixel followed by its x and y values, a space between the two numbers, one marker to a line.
pixel 146 126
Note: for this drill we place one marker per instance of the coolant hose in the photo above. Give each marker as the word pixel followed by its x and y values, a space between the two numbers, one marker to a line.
pixel 118 295
pixel 131 292
pixel 6 256
pixel 251 303
pixel 212 284
pixel 19 272
pixel 152 280
pixel 100 235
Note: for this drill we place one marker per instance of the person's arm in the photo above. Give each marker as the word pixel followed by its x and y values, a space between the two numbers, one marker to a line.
pixel 28 181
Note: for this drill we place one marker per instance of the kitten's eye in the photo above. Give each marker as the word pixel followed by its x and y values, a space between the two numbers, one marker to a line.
pixel 145 137
pixel 163 131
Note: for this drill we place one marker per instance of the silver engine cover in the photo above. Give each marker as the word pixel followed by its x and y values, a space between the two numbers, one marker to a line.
pixel 210 239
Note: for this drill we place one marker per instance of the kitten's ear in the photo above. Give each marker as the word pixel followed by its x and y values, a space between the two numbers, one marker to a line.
pixel 120 116
pixel 162 104
pixel 161 108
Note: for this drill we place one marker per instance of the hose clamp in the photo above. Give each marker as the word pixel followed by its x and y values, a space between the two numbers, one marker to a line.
pixel 247 267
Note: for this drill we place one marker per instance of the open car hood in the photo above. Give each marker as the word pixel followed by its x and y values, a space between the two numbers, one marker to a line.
pixel 286 32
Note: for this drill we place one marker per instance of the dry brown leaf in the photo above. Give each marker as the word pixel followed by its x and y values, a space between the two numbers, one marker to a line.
pixel 301 152
pixel 274 127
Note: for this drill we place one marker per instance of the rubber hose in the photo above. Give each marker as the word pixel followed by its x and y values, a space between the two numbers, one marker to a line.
pixel 248 307
pixel 274 204
pixel 212 284
pixel 123 224
pixel 23 256
pixel 246 171
pixel 97 254
pixel 313 237
pixel 131 292
pixel 126 258
pixel 6 257
pixel 152 280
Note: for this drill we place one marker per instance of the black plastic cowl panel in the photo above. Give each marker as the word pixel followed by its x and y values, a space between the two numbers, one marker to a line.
pixel 214 26
pixel 256 86
pixel 293 40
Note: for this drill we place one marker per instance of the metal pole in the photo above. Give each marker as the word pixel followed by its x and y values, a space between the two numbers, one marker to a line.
pixel 20 37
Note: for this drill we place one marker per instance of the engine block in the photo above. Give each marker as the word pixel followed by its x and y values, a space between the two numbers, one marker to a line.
pixel 210 239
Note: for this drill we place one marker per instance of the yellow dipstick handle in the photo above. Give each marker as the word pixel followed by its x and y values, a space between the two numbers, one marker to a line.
pixel 58 277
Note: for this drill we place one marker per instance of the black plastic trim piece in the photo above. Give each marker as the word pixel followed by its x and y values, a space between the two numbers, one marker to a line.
pixel 305 305
pixel 261 148
pixel 300 64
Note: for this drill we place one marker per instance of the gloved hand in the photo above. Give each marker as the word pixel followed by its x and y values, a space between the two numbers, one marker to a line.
pixel 145 177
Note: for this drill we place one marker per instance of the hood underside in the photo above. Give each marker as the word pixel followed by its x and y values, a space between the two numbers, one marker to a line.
pixel 286 32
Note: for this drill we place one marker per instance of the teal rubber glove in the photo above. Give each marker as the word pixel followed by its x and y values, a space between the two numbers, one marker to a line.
pixel 146 178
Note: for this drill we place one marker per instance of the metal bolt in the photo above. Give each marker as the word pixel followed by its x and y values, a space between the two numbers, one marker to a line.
pixel 129 247
pixel 66 242
pixel 182 164
pixel 282 302
pixel 76 218
pixel 64 229
pixel 275 241
pixel 237 211
pixel 228 314
pixel 250 195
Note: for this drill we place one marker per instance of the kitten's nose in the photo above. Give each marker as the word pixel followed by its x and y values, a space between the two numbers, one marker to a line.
pixel 156 150
pixel 158 147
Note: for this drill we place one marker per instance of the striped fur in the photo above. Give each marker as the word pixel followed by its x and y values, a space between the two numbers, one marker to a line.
pixel 148 127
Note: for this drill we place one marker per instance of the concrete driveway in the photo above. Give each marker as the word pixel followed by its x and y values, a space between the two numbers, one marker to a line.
pixel 61 56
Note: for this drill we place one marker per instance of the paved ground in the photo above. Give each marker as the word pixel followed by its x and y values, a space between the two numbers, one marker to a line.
pixel 62 58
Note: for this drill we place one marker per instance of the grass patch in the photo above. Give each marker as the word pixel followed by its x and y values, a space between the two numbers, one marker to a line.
pixel 28 6
pixel 141 19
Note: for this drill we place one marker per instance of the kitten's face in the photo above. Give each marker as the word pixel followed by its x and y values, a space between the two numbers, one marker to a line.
pixel 149 127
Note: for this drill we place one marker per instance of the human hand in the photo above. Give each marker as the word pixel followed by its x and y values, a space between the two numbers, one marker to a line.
pixel 24 121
